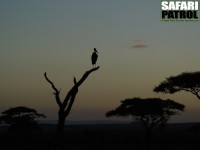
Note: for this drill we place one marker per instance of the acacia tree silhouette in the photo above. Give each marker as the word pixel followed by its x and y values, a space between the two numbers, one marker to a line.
pixel 186 81
pixel 150 111
pixel 21 119
pixel 66 105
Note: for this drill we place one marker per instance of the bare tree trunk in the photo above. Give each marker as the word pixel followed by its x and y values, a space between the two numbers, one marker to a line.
pixel 61 122
pixel 66 105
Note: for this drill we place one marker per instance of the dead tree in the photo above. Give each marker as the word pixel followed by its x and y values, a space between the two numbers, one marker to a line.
pixel 66 105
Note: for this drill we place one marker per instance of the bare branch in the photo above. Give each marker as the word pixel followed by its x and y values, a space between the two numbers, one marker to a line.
pixel 76 86
pixel 86 75
pixel 74 80
pixel 56 93
pixel 67 111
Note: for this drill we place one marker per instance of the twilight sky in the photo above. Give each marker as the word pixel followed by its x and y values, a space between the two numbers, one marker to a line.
pixel 136 52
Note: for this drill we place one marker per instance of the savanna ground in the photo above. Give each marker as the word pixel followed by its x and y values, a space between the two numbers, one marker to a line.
pixel 105 137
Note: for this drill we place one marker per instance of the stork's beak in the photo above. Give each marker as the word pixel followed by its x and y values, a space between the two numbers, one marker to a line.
pixel 95 50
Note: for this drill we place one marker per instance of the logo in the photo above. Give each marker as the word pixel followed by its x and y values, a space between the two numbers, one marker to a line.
pixel 180 11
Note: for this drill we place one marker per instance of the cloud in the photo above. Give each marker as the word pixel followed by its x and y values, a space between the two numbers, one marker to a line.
pixel 140 46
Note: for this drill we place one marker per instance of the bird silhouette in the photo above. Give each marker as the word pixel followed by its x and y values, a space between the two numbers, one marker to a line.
pixel 94 58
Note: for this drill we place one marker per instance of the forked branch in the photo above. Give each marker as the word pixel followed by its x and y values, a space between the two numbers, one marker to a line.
pixel 74 89
pixel 71 94
pixel 56 91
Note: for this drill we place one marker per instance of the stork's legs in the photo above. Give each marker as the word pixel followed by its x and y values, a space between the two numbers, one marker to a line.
pixel 94 66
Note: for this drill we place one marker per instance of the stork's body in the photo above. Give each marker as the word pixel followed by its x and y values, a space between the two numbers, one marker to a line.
pixel 94 58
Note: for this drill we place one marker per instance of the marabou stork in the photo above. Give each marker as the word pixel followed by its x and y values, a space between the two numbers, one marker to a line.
pixel 94 58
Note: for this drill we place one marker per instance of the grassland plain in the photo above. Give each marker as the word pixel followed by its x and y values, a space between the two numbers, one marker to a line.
pixel 183 136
